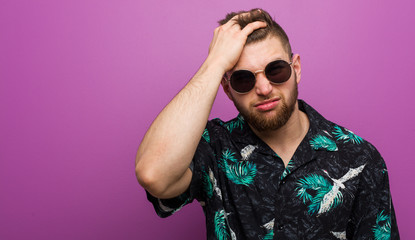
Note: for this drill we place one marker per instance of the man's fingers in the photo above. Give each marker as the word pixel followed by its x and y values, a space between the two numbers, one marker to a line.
pixel 215 36
pixel 234 21
pixel 229 40
pixel 249 28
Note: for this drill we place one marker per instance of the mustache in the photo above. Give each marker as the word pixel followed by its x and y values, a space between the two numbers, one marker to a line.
pixel 268 97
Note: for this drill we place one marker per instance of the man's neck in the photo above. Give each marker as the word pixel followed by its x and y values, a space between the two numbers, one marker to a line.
pixel 285 140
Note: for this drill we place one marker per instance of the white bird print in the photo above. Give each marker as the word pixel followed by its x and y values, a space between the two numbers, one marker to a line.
pixel 164 207
pixel 247 151
pixel 340 235
pixel 269 225
pixel 327 133
pixel 334 194
pixel 215 184
pixel 233 235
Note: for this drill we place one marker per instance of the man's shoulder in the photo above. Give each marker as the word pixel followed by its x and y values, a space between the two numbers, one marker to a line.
pixel 232 131
pixel 237 123
pixel 346 137
pixel 339 138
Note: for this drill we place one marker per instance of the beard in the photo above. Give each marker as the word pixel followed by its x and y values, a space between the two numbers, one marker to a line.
pixel 282 113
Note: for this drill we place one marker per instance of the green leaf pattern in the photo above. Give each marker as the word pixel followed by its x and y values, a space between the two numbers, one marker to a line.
pixel 207 184
pixel 349 136
pixel 382 228
pixel 323 142
pixel 269 235
pixel 316 183
pixel 287 169
pixel 327 196
pixel 222 228
pixel 239 172
pixel 236 123
pixel 206 136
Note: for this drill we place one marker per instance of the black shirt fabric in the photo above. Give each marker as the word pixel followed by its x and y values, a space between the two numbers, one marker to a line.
pixel 335 186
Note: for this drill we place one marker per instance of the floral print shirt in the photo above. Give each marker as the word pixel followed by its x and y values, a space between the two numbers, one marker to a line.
pixel 335 186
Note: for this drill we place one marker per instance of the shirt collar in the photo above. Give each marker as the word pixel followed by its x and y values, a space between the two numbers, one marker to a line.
pixel 243 134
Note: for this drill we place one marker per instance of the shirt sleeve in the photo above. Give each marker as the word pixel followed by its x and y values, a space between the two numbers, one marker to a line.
pixel 373 216
pixel 203 155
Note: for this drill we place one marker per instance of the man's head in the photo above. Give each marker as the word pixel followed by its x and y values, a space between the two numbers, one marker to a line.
pixel 267 106
pixel 272 28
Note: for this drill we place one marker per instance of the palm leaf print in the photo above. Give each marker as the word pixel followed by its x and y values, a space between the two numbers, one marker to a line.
pixel 312 182
pixel 220 225
pixel 340 135
pixel 241 173
pixel 238 172
pixel 205 135
pixel 382 228
pixel 228 155
pixel 323 142
pixel 207 184
pixel 287 169
pixel 237 123
pixel 326 195
pixel 269 235
pixel 325 201
pixel 349 136
pixel 354 138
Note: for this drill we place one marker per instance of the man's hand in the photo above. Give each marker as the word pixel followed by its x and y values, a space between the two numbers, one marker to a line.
pixel 228 42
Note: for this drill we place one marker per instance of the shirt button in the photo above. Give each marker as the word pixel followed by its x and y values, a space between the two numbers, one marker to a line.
pixel 281 227
pixel 283 182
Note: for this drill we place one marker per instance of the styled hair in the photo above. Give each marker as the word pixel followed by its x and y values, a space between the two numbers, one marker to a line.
pixel 272 28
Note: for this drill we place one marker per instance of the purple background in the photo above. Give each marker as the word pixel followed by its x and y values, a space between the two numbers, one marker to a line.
pixel 82 80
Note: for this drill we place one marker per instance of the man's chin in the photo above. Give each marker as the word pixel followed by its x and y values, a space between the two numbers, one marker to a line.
pixel 264 123
pixel 270 120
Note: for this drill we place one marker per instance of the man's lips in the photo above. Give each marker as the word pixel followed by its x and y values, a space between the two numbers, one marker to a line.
pixel 267 104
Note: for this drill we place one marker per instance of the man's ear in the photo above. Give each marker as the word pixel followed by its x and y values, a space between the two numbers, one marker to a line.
pixel 226 87
pixel 297 66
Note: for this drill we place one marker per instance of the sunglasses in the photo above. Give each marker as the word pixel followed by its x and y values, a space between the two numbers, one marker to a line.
pixel 277 72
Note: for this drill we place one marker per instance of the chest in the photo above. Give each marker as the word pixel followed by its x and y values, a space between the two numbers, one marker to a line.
pixel 257 189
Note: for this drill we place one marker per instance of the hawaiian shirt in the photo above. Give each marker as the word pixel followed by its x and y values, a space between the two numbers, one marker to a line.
pixel 335 186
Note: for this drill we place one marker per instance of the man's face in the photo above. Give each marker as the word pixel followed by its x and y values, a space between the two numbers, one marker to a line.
pixel 267 106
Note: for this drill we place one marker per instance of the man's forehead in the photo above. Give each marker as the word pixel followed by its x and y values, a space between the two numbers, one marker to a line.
pixel 258 54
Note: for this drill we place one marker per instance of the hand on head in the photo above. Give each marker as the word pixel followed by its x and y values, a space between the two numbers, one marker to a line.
pixel 228 42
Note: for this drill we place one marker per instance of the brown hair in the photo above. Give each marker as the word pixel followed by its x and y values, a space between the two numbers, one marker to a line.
pixel 272 27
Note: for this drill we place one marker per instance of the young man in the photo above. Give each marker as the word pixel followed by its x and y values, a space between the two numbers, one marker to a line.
pixel 279 170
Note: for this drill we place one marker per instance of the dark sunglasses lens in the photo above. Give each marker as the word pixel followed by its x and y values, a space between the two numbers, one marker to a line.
pixel 278 71
pixel 242 81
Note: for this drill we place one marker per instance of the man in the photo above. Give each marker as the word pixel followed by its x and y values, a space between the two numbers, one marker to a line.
pixel 277 171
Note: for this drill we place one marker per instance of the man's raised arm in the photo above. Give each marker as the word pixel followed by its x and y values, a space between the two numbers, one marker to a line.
pixel 167 149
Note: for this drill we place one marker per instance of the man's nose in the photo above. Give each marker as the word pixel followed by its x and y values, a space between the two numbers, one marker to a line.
pixel 262 86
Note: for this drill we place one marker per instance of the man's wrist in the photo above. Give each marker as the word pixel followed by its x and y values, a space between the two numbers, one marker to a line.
pixel 212 69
